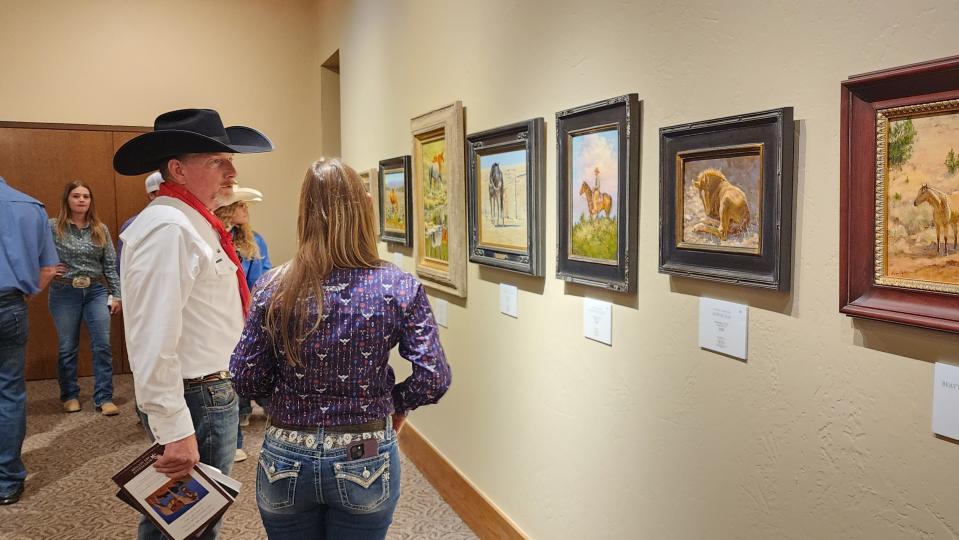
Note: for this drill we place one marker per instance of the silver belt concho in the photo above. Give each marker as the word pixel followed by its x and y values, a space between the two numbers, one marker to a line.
pixel 81 282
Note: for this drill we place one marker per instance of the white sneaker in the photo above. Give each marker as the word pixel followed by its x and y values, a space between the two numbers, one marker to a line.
pixel 240 455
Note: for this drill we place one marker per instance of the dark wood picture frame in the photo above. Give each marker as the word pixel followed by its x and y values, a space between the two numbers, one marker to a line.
pixel 527 136
pixel 766 135
pixel 621 113
pixel 405 163
pixel 863 98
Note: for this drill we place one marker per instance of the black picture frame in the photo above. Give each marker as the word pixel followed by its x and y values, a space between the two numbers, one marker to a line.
pixel 768 134
pixel 527 136
pixel 392 164
pixel 621 113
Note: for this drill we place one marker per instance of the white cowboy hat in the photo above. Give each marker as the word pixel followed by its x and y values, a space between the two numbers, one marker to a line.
pixel 244 194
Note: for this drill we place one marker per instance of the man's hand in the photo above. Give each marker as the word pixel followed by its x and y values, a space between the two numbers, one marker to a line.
pixel 61 269
pixel 178 457
pixel 398 421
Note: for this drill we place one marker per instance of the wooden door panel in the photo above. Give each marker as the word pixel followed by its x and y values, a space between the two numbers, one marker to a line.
pixel 131 198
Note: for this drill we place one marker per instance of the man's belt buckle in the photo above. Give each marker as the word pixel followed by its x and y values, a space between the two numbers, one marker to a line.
pixel 81 282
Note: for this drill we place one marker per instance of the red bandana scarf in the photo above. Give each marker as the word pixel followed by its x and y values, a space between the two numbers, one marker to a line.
pixel 168 189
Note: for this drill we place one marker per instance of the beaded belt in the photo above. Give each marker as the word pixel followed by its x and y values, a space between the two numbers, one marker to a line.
pixel 310 439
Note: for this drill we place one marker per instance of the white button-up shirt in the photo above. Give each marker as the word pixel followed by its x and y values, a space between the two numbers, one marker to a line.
pixel 181 309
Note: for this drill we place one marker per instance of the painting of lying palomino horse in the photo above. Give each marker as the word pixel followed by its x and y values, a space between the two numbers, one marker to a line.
pixel 726 189
pixel 721 204
pixel 917 211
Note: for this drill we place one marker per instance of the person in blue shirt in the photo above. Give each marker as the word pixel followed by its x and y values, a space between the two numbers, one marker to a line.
pixel 255 261
pixel 28 261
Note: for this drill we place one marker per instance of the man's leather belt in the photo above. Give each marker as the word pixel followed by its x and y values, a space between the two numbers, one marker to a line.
pixel 373 425
pixel 218 376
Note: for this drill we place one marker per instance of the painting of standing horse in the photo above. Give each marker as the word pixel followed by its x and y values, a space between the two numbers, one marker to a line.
pixel 594 225
pixel 945 214
pixel 596 201
pixel 501 198
pixel 918 218
pixel 496 194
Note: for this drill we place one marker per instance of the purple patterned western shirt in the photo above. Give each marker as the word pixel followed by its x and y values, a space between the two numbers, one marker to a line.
pixel 345 378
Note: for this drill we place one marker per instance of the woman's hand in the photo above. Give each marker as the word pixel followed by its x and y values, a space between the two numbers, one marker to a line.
pixel 61 269
pixel 115 307
pixel 398 422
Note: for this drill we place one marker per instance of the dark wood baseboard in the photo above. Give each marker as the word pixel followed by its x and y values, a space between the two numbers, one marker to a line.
pixel 476 510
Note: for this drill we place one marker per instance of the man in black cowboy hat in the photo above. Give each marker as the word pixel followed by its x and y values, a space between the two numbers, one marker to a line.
pixel 187 294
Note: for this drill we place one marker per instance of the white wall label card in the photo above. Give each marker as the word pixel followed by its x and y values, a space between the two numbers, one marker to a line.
pixel 945 400
pixel 507 300
pixel 723 327
pixel 398 259
pixel 441 311
pixel 598 320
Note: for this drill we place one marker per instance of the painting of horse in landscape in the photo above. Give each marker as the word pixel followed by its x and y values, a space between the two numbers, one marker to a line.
pixel 721 199
pixel 395 211
pixel 434 201
pixel 501 196
pixel 594 175
pixel 920 219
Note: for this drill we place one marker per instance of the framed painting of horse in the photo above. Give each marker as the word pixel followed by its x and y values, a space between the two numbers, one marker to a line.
pixel 598 193
pixel 726 192
pixel 439 203
pixel 395 200
pixel 899 199
pixel 505 191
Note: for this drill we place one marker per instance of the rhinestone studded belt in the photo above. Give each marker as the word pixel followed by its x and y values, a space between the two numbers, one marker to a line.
pixel 311 440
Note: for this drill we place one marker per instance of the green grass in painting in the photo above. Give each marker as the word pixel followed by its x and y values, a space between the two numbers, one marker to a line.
pixel 595 239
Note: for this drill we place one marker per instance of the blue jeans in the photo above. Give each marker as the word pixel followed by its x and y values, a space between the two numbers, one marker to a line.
pixel 246 409
pixel 213 408
pixel 13 391
pixel 69 306
pixel 317 493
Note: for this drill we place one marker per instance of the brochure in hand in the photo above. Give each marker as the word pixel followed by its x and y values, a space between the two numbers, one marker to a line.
pixel 180 507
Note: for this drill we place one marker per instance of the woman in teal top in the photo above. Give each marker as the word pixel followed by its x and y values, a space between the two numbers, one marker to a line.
pixel 86 278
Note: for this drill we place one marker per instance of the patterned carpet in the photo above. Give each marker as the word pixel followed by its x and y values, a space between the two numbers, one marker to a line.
pixel 71 457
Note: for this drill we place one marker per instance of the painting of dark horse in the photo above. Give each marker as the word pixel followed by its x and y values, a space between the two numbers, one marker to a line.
pixel 502 200
pixel 496 194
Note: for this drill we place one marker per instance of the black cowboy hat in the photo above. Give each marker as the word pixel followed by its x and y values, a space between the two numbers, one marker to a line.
pixel 186 131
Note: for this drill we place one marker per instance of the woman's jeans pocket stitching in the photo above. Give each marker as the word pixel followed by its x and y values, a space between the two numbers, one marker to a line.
pixel 276 480
pixel 364 484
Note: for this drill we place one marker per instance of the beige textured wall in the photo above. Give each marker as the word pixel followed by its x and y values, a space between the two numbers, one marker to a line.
pixel 823 434
pixel 118 62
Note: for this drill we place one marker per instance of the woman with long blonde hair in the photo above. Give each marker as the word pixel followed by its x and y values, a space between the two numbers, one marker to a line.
pixel 255 261
pixel 86 277
pixel 318 340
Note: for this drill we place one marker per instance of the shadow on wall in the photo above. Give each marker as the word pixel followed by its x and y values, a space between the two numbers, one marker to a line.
pixel 523 282
pixel 780 302
pixel 906 341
